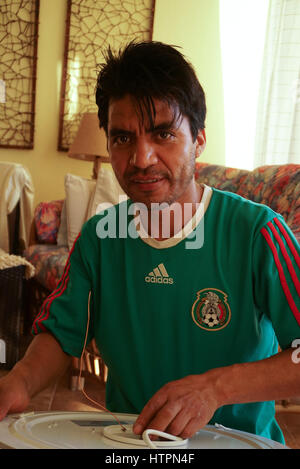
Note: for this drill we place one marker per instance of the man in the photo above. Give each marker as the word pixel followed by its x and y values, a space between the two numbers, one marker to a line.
pixel 188 331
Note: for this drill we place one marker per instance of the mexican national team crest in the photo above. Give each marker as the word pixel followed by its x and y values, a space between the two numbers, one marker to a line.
pixel 211 310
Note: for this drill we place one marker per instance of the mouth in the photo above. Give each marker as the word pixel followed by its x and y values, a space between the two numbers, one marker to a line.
pixel 147 183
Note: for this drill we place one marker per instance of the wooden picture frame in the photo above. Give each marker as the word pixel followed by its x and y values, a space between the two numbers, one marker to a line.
pixel 19 21
pixel 90 27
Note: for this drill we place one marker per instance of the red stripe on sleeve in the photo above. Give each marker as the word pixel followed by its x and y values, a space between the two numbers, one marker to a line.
pixel 44 311
pixel 282 278
pixel 289 241
pixel 48 299
pixel 286 257
pixel 58 293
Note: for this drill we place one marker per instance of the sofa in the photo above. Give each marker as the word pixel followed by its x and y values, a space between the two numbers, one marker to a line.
pixel 277 186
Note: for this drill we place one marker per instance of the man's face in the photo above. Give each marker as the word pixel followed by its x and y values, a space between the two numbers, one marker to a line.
pixel 152 165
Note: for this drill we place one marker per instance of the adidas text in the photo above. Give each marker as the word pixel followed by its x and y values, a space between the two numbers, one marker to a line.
pixel 165 280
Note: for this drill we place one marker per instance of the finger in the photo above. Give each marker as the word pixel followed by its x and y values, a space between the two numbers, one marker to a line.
pixel 3 413
pixel 178 424
pixel 165 416
pixel 148 413
pixel 5 406
pixel 193 426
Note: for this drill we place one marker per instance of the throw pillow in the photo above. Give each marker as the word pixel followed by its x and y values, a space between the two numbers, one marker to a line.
pixel 107 191
pixel 62 235
pixel 78 193
pixel 47 220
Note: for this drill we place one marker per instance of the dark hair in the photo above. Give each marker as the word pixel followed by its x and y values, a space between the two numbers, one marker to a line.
pixel 148 70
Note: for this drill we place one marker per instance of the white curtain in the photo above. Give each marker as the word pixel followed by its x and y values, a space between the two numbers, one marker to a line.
pixel 242 48
pixel 278 120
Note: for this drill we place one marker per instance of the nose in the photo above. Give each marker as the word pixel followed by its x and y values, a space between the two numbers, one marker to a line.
pixel 144 154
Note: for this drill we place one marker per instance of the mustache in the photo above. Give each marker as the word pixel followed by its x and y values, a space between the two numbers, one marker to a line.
pixel 148 172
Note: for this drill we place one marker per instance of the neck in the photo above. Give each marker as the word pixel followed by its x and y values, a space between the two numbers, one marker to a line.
pixel 165 223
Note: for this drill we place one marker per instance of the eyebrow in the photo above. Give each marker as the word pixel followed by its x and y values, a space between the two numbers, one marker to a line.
pixel 167 125
pixel 114 131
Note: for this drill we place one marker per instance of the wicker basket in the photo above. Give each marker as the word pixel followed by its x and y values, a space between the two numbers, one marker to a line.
pixel 11 317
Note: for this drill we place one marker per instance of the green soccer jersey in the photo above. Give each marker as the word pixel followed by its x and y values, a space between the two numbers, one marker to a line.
pixel 227 292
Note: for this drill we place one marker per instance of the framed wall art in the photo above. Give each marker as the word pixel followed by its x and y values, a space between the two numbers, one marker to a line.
pixel 91 26
pixel 18 52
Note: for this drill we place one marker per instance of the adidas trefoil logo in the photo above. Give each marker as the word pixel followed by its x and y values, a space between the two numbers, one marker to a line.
pixel 159 275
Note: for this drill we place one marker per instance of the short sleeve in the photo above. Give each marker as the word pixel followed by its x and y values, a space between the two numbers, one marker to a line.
pixel 65 311
pixel 276 271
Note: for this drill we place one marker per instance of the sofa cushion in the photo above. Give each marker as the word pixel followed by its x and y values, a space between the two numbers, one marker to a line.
pixel 62 234
pixel 107 191
pixel 220 177
pixel 78 193
pixel 277 186
pixel 49 262
pixel 47 221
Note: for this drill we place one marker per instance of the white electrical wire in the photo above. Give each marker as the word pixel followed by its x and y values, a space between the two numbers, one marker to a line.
pixel 175 440
pixel 113 434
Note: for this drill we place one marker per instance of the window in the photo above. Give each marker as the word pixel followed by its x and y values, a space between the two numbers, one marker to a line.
pixel 242 32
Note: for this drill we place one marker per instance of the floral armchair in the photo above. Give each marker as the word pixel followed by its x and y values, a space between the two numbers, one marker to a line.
pixel 277 186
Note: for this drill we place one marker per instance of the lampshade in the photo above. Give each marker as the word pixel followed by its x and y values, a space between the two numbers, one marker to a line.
pixel 90 143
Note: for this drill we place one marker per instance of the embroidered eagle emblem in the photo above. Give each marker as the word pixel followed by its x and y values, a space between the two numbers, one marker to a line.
pixel 211 310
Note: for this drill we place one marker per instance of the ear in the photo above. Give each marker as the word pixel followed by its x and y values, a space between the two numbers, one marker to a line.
pixel 200 142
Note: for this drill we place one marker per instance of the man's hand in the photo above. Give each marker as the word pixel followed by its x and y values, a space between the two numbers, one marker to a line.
pixel 185 406
pixel 180 407
pixel 14 396
pixel 43 362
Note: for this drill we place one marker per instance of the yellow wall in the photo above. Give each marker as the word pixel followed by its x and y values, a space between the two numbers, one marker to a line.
pixel 194 27
pixel 46 165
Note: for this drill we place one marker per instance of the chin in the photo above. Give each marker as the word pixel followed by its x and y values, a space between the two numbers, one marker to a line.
pixel 150 201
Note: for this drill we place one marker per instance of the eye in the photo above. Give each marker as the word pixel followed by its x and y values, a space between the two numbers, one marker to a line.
pixel 164 135
pixel 121 139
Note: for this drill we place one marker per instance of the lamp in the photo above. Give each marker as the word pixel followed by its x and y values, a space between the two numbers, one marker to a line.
pixel 90 143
